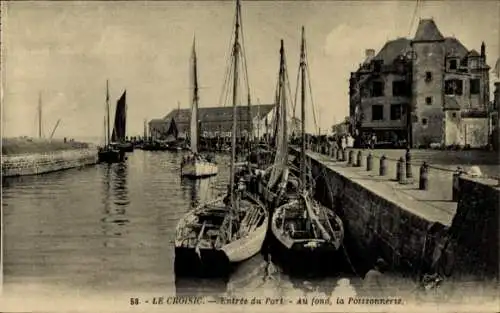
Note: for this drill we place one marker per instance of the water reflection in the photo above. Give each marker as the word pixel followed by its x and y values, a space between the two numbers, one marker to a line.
pixel 115 201
pixel 197 191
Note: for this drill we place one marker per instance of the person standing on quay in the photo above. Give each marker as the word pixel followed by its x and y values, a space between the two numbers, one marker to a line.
pixel 373 282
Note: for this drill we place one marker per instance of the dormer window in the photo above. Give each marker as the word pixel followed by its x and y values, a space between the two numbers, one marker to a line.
pixel 453 65
pixel 473 63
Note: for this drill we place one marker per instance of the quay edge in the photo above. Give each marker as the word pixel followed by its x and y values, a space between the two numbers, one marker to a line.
pixel 410 228
pixel 23 157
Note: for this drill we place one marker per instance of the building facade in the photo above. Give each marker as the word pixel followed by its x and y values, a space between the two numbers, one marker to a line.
pixel 422 91
pixel 217 122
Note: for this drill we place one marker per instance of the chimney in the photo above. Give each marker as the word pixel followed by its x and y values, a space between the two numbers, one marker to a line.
pixel 483 51
pixel 369 54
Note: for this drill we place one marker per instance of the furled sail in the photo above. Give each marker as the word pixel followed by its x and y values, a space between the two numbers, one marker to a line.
pixel 281 158
pixel 194 103
pixel 119 128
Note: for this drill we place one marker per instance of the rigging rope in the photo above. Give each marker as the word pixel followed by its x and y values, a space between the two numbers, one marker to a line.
pixel 309 83
pixel 229 62
pixel 412 20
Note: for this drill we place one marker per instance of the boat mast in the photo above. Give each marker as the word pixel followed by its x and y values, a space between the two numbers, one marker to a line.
pixel 236 48
pixel 194 109
pixel 303 111
pixel 107 112
pixel 40 115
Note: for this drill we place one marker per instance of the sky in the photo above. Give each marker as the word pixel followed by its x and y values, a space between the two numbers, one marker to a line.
pixel 66 50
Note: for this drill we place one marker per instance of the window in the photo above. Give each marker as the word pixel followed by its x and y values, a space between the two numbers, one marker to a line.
pixel 454 114
pixel 399 88
pixel 377 65
pixel 428 100
pixel 396 111
pixel 453 87
pixel 377 89
pixel 474 63
pixel 377 112
pixel 453 64
pixel 424 122
pixel 428 76
pixel 475 86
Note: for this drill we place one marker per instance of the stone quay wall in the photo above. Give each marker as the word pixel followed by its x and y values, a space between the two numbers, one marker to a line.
pixel 39 163
pixel 416 231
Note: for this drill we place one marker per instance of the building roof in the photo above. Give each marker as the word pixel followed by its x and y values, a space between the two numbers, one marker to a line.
pixel 400 46
pixel 392 49
pixel 212 118
pixel 453 47
pixel 473 53
pixel 427 31
pixel 217 114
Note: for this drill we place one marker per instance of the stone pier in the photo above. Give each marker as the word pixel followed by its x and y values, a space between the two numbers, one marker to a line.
pixel 419 231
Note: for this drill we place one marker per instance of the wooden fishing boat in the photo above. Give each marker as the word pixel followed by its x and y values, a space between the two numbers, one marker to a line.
pixel 305 232
pixel 109 153
pixel 196 165
pixel 225 231
pixel 118 136
pixel 214 235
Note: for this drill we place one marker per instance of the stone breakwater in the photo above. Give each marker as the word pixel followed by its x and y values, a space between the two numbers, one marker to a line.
pixel 39 163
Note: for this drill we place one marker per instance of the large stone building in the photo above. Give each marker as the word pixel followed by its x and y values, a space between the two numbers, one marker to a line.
pixel 218 122
pixel 427 90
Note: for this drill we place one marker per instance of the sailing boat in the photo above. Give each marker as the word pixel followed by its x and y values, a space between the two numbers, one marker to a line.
pixel 196 165
pixel 229 229
pixel 108 153
pixel 118 137
pixel 303 228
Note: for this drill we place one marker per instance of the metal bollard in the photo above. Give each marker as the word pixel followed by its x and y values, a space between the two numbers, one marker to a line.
pixel 369 162
pixel 359 161
pixel 455 186
pixel 383 166
pixel 351 158
pixel 423 182
pixel 409 173
pixel 401 171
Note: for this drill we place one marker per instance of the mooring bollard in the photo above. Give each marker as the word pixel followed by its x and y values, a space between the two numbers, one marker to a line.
pixel 351 157
pixel 455 186
pixel 369 162
pixel 409 173
pixel 359 159
pixel 423 182
pixel 401 169
pixel 383 165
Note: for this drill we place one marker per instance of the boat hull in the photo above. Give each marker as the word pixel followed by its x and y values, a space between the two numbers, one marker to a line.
pixel 110 156
pixel 305 254
pixel 209 262
pixel 199 169
pixel 217 261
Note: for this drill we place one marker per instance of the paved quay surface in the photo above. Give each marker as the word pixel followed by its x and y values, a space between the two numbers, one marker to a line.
pixel 434 204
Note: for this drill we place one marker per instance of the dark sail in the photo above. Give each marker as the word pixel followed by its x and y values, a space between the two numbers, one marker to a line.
pixel 172 131
pixel 119 129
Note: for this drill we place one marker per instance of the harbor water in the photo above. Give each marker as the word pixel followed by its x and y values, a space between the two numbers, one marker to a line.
pixel 110 229
pixel 107 231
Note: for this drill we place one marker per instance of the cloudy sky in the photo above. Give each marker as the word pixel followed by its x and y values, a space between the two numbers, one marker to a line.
pixel 66 50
